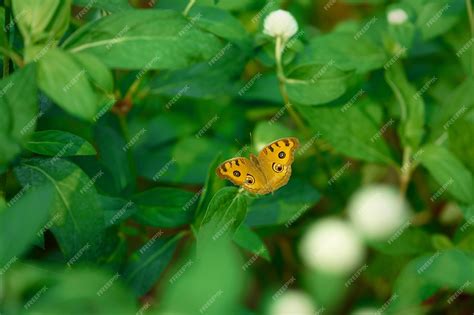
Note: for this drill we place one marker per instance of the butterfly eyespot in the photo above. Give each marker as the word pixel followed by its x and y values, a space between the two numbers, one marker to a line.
pixel 281 155
pixel 236 173
pixel 249 179
pixel 277 167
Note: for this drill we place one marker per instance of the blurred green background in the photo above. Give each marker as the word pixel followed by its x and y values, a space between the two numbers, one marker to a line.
pixel 114 116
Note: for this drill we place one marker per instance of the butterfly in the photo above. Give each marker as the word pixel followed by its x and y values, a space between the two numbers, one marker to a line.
pixel 264 173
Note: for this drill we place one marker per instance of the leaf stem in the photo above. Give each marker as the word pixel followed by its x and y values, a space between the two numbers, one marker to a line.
pixel 470 14
pixel 405 173
pixel 188 7
pixel 279 44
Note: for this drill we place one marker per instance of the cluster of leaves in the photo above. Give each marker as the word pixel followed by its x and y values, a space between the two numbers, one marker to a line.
pixel 113 118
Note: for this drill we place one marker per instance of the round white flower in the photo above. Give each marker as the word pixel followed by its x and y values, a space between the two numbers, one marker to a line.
pixel 378 211
pixel 397 17
pixel 366 311
pixel 293 302
pixel 332 245
pixel 280 23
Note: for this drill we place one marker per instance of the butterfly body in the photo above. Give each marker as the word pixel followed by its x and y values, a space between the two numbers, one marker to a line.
pixel 264 173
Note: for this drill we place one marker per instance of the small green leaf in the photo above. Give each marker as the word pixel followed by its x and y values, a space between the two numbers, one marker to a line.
pixel 451 174
pixel 147 264
pixel 249 240
pixel 165 207
pixel 108 5
pixel 66 81
pixel 22 219
pixel 59 143
pixel 412 107
pixel 316 83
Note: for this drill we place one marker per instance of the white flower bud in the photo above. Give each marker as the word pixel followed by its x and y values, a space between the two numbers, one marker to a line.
pixel 293 302
pixel 397 17
pixel 280 23
pixel 332 245
pixel 378 211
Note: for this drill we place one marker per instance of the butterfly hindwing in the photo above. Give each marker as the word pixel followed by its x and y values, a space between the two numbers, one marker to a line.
pixel 275 161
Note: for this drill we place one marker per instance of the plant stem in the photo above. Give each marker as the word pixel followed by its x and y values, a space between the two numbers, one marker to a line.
pixel 406 169
pixel 6 57
pixel 470 14
pixel 281 84
pixel 188 7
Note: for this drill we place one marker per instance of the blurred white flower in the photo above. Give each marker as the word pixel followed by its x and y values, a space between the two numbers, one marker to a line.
pixel 332 245
pixel 378 211
pixel 280 23
pixel 293 302
pixel 397 17
pixel 366 311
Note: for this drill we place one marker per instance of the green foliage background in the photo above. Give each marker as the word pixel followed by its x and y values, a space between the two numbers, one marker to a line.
pixel 114 116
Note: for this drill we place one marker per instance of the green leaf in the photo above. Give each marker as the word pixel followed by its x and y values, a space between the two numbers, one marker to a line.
pixel 151 39
pixel 221 23
pixel 344 51
pixel 437 17
pixel 268 131
pixel 352 129
pixel 423 276
pixel 212 185
pixel 65 81
pixel 59 143
pixel 249 240
pixel 226 211
pixel 79 219
pixel 412 106
pixel 22 219
pixel 116 210
pixel 283 206
pixel 410 242
pixel 460 139
pixel 41 21
pixel 218 270
pixel 448 172
pixel 93 290
pixel 18 112
pixel 148 263
pixel 109 5
pixel 165 207
pixel 316 83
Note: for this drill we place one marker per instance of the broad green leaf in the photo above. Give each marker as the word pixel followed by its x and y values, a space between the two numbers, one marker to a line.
pixel 461 136
pixel 425 275
pixel 218 270
pixel 18 112
pixel 147 264
pixel 316 83
pixel 249 240
pixel 353 129
pixel 268 131
pixel 59 143
pixel 226 211
pixel 344 51
pixel 77 217
pixel 165 207
pixel 283 206
pixel 99 75
pixel 151 39
pixel 412 107
pixel 116 210
pixel 448 172
pixel 22 219
pixel 41 21
pixel 65 81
